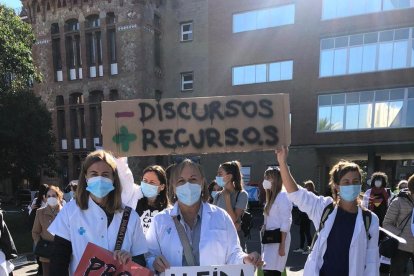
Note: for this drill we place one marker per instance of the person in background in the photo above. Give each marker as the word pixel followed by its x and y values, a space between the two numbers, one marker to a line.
pixel 207 230
pixel 70 190
pixel 38 202
pixel 277 215
pixel 95 216
pixel 344 246
pixel 44 217
pixel 403 184
pixel 213 190
pixel 233 198
pixel 305 223
pixel 154 189
pixel 398 220
pixel 8 250
pixel 379 196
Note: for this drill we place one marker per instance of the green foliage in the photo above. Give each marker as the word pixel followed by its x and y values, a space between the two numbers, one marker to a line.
pixel 16 63
pixel 26 140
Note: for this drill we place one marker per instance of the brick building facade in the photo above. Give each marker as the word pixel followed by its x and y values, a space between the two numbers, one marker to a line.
pixel 349 99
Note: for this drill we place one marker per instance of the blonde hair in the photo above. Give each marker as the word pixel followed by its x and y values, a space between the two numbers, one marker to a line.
pixel 112 202
pixel 176 173
pixel 272 193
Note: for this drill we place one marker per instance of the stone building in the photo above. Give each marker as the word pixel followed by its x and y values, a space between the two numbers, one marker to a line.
pixel 348 67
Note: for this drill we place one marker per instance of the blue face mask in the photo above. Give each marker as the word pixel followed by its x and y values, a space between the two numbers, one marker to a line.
pixel 149 190
pixel 349 192
pixel 100 186
pixel 188 193
pixel 220 181
pixel 214 193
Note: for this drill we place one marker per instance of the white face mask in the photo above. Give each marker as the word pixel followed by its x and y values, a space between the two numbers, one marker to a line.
pixel 267 185
pixel 378 183
pixel 52 201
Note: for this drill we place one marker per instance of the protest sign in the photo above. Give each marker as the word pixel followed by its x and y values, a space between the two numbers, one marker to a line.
pixel 146 219
pixel 214 270
pixel 145 127
pixel 97 261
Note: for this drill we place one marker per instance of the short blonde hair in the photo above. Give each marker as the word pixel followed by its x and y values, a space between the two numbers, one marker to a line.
pixel 175 175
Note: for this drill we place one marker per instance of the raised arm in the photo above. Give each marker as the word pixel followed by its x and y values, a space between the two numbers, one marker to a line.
pixel 287 179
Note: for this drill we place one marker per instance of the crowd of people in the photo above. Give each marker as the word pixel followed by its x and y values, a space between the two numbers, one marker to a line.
pixel 176 218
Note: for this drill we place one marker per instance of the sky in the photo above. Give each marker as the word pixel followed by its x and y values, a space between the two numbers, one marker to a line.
pixel 14 4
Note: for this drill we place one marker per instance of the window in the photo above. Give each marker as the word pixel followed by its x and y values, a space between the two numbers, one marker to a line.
pixel 259 73
pixel 73 49
pixel 111 40
pixel 187 31
pixel 187 81
pixel 343 8
pixel 94 45
pixel 389 108
pixel 266 18
pixel 367 52
pixel 56 53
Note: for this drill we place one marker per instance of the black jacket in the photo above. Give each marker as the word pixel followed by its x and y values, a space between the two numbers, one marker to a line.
pixel 6 240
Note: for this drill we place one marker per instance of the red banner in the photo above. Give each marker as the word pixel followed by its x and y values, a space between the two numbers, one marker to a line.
pixel 97 261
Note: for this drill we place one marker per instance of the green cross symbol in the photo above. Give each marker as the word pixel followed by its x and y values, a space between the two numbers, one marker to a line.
pixel 124 138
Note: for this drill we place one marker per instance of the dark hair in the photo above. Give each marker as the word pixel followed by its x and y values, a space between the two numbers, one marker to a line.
pixel 113 201
pixel 233 168
pixel 161 202
pixel 338 171
pixel 379 176
pixel 40 195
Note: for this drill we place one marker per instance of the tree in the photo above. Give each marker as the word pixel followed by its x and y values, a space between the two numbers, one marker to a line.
pixel 26 140
pixel 16 62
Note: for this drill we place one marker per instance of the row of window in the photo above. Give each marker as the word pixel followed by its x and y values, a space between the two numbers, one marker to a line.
pixel 259 73
pixel 366 110
pixel 93 43
pixel 344 8
pixel 368 52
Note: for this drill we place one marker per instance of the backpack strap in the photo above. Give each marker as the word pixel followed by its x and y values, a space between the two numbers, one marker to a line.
pixel 367 217
pixel 325 214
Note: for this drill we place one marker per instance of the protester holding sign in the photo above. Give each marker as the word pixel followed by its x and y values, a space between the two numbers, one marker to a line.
pixel 96 216
pixel 154 189
pixel 399 221
pixel 193 232
pixel 347 238
pixel 43 240
pixel 277 222
pixel 232 198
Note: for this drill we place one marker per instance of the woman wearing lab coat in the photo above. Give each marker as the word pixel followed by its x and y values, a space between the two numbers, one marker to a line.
pixel 208 229
pixel 95 216
pixel 343 246
pixel 154 189
pixel 277 215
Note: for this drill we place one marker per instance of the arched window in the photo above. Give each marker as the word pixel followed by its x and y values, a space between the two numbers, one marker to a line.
pixel 113 95
pixel 96 96
pixel 76 98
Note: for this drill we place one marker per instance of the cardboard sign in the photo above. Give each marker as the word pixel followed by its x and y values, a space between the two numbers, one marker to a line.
pixel 214 270
pixel 97 261
pixel 196 125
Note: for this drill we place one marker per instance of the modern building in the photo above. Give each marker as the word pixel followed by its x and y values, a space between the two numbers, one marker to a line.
pixel 348 67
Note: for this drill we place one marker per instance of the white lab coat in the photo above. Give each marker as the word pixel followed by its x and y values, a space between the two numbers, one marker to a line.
pixel 363 253
pixel 219 243
pixel 131 192
pixel 90 225
pixel 280 216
